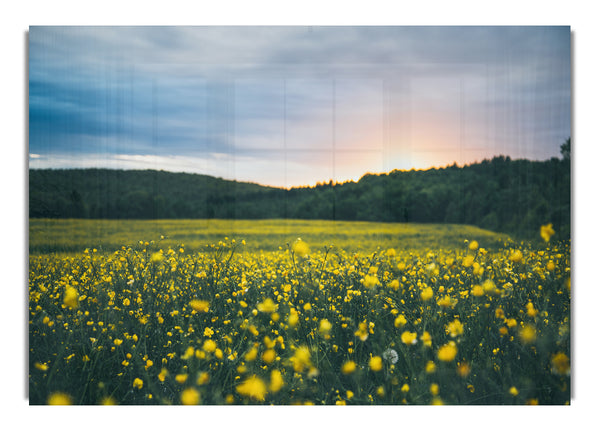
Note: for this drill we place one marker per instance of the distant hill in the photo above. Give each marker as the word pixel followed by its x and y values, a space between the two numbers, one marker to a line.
pixel 512 196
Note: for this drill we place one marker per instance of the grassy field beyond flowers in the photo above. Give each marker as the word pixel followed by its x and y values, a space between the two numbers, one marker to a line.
pixel 224 312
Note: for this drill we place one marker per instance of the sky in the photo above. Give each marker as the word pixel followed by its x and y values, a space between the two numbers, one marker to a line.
pixel 295 105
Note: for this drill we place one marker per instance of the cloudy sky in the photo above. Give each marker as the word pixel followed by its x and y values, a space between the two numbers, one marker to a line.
pixel 290 106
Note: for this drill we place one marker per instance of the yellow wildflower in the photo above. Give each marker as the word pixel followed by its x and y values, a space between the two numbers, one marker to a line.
pixel 400 321
pixel 324 327
pixel 546 232
pixel 71 298
pixel 426 338
pixel 301 248
pixel 427 294
pixel 59 399
pixel 375 362
pixel 301 359
pixel 209 346
pixel 348 367
pixel 267 306
pixel 561 364
pixel 138 383
pixel 408 337
pixel 454 328
pixel 200 305
pixel 447 352
pixel 203 378
pixel 268 356
pixel 253 387
pixel 276 381
pixel 528 334
pixel 181 378
pixel 190 397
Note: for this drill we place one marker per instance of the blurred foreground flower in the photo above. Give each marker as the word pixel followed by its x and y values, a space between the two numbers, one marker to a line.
pixel 253 387
pixel 546 232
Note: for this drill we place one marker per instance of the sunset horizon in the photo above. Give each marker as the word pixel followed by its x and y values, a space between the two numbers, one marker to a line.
pixel 292 106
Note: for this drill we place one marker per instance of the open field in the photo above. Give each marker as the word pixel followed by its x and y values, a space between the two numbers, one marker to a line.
pixel 225 312
pixel 59 235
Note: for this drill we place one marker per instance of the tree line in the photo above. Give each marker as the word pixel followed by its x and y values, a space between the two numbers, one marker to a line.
pixel 501 194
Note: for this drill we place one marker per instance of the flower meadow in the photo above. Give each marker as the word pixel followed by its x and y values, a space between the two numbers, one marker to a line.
pixel 227 323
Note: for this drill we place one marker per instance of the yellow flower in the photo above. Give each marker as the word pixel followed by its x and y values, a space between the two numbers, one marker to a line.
pixel 301 359
pixel 181 378
pixel 324 327
pixel 454 328
pixel 516 256
pixel 301 248
pixel 41 367
pixel 362 332
pixel 489 286
pixel 276 381
pixel 117 341
pixel 463 370
pixel 200 305
pixel 434 388
pixel 190 397
pixel 253 387
pixel 375 363
pixel 546 232
pixel 528 334
pixel 71 298
pixel 189 353
pixel 531 311
pixel 513 391
pixel 447 301
pixel 400 321
pixel 426 338
pixel 209 346
pixel 267 306
pixel 203 378
pixel 108 401
pixel 511 323
pixel 561 364
pixel 474 245
pixel 427 294
pixel 408 337
pixel 348 367
pixel 405 388
pixel 268 356
pixel 447 352
pixel 477 290
pixel 59 399
pixel 430 367
pixel 293 318
pixel 370 281
pixel 468 261
pixel 251 354
pixel 138 383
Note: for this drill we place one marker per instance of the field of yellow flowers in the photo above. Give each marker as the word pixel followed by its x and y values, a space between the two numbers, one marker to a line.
pixel 371 319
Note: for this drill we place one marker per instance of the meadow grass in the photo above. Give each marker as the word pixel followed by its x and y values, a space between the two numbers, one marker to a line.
pixel 66 236
pixel 242 312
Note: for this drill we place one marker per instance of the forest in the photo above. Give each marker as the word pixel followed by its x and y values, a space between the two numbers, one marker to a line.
pixel 500 194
